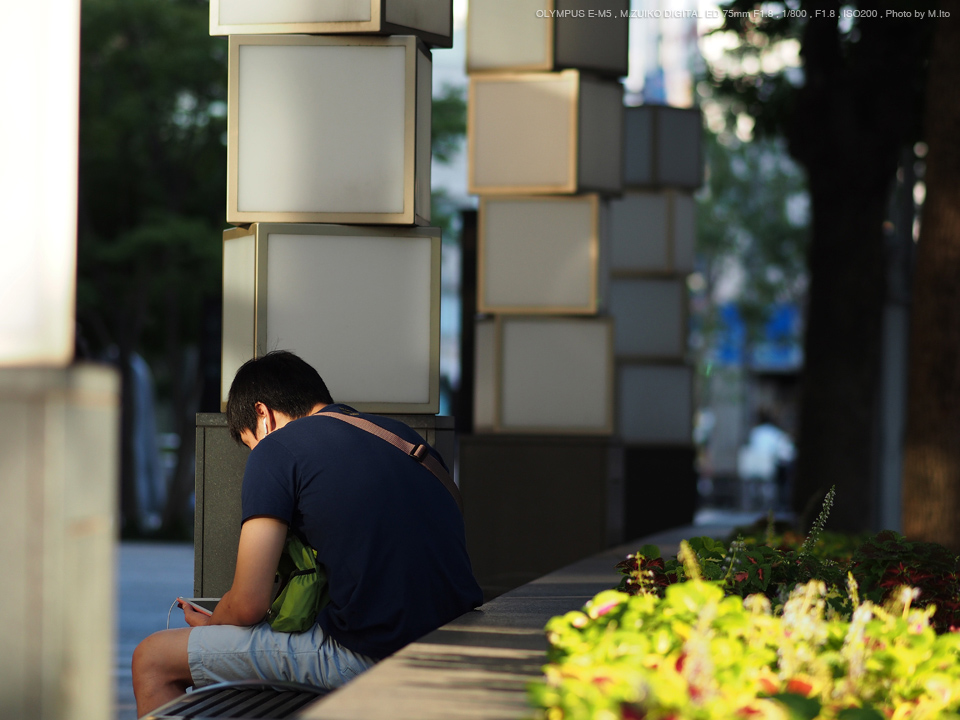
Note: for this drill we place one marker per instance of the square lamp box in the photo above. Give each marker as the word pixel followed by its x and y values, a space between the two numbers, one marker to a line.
pixel 662 147
pixel 38 177
pixel 328 129
pixel 59 464
pixel 544 375
pixel 430 20
pixel 540 254
pixel 655 404
pixel 544 133
pixel 360 304
pixel 548 35
pixel 652 233
pixel 649 317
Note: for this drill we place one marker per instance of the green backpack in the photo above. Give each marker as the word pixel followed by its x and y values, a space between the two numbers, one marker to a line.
pixel 303 590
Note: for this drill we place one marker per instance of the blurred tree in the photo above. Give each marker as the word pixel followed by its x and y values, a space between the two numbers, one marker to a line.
pixel 449 122
pixel 752 223
pixel 449 126
pixel 931 480
pixel 152 200
pixel 846 117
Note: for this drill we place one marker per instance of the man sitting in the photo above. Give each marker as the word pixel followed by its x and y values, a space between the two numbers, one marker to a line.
pixel 388 533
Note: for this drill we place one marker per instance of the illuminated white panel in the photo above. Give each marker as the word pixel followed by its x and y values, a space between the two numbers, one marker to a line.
pixel 39 77
pixel 662 147
pixel 678 158
pixel 324 129
pixel 508 35
pixel 592 35
pixel 638 141
pixel 684 232
pixel 257 12
pixel 360 304
pixel 538 255
pixel 485 379
pixel 639 232
pixel 424 148
pixel 523 132
pixel 432 20
pixel 655 404
pixel 239 304
pixel 601 135
pixel 555 375
pixel 533 133
pixel 430 16
pixel 517 35
pixel 649 317
pixel 58 506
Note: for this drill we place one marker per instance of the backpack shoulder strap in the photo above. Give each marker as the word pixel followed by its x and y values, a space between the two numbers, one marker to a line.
pixel 417 452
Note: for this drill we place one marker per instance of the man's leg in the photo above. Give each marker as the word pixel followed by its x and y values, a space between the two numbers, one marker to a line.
pixel 161 672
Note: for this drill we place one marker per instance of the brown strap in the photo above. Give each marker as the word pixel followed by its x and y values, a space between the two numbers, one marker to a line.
pixel 417 452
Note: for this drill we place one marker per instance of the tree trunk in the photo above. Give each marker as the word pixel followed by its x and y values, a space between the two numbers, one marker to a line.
pixel 189 384
pixel 931 473
pixel 856 110
pixel 842 360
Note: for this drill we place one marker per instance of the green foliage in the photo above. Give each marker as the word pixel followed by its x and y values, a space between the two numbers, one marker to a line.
pixel 880 566
pixel 152 169
pixel 818 524
pixel 449 122
pixel 698 653
pixel 888 561
pixel 751 213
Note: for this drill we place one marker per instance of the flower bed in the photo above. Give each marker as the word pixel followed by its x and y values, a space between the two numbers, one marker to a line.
pixel 696 653
pixel 780 630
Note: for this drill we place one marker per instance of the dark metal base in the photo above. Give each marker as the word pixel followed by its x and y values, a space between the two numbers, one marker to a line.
pixel 235 700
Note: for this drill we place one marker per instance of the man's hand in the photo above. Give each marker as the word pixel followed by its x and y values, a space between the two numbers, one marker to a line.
pixel 249 598
pixel 194 618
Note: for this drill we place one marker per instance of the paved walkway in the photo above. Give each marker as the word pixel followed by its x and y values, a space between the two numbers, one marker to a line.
pixel 149 578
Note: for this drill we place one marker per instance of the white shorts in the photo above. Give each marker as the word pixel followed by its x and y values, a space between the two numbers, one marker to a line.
pixel 227 653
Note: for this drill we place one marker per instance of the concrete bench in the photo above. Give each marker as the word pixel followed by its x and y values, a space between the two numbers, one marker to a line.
pixel 478 666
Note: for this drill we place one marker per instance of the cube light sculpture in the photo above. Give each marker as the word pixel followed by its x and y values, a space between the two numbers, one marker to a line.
pixel 549 375
pixel 539 254
pixel 431 20
pixel 655 404
pixel 662 147
pixel 548 35
pixel 544 133
pixel 485 375
pixel 325 129
pixel 650 317
pixel 652 233
pixel 58 505
pixel 40 73
pixel 360 304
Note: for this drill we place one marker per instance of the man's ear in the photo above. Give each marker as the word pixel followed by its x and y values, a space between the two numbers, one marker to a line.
pixel 261 410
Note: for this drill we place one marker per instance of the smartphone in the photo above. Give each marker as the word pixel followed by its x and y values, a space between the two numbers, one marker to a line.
pixel 199 608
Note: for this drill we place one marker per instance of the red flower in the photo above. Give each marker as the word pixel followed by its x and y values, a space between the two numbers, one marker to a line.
pixel 799 687
pixel 768 686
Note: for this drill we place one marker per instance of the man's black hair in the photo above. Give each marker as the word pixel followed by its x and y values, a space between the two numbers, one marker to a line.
pixel 281 381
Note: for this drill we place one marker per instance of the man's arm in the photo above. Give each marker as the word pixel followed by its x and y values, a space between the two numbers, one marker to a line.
pixel 249 598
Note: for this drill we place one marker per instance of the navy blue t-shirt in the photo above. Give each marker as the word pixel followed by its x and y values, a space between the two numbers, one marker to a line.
pixel 387 531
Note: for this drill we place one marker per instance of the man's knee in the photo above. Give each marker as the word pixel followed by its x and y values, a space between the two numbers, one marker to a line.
pixel 163 656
